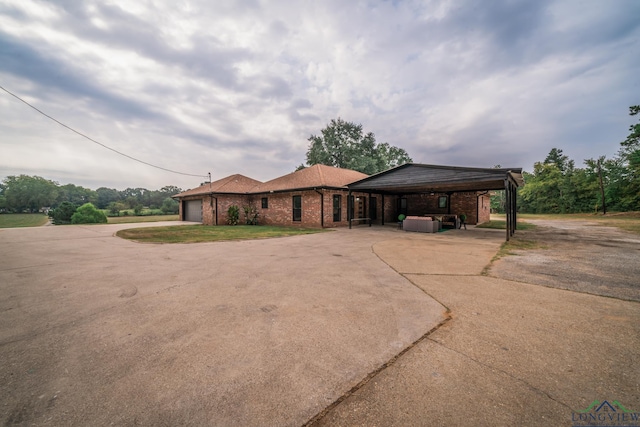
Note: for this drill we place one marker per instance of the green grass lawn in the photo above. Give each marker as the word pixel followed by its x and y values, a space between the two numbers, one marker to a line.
pixel 204 233
pixel 499 224
pixel 22 220
pixel 148 218
pixel 628 221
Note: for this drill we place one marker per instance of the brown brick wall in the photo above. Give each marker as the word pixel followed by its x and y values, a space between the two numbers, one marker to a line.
pixel 224 201
pixel 484 208
pixel 465 203
pixel 420 204
pixel 280 210
pixel 460 203
pixel 390 209
pixel 280 207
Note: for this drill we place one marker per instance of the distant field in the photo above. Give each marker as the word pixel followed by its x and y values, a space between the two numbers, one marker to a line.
pixel 22 220
pixel 148 218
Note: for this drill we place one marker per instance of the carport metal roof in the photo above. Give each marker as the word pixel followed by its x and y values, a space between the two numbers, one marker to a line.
pixel 415 178
pixel 412 178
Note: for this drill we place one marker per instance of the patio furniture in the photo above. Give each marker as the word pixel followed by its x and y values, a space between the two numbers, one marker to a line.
pixel 420 224
pixel 401 218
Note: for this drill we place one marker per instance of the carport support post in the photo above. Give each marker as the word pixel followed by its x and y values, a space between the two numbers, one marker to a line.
pixel 382 208
pixel 514 203
pixel 507 193
pixel 510 206
pixel 370 209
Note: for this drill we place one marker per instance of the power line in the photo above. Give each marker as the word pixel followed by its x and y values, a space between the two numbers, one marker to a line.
pixel 97 142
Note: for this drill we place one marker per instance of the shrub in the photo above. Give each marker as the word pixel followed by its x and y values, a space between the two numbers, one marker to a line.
pixel 137 209
pixel 115 208
pixel 233 215
pixel 250 215
pixel 88 214
pixel 63 213
pixel 170 206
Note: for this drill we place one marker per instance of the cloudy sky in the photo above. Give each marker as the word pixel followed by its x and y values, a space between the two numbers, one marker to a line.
pixel 239 86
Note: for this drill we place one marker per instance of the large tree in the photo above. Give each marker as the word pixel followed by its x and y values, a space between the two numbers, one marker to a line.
pixel 3 199
pixel 76 194
pixel 30 193
pixel 629 155
pixel 157 197
pixel 345 145
pixel 557 186
pixel 105 196
pixel 633 140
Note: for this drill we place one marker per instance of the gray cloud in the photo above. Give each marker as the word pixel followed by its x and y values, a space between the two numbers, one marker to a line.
pixel 56 76
pixel 240 86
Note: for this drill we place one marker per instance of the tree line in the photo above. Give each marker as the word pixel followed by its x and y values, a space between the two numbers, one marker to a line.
pixel 556 185
pixel 24 193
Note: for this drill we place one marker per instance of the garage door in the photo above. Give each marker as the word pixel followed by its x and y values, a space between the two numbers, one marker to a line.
pixel 193 210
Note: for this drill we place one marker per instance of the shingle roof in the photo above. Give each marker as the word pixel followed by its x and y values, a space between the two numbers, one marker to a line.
pixel 234 184
pixel 316 176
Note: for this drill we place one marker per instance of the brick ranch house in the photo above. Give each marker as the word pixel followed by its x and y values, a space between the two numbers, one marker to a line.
pixel 324 196
pixel 312 197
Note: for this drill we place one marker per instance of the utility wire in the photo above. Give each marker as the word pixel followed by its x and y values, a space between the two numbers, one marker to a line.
pixel 96 142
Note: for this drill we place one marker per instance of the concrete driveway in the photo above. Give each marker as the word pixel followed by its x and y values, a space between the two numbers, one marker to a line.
pixel 97 330
pixel 334 329
pixel 520 349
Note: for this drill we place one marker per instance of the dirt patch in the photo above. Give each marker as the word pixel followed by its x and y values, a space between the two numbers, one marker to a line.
pixel 581 256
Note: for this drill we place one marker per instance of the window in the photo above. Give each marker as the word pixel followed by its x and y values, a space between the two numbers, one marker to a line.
pixel 337 208
pixel 442 201
pixel 297 208
pixel 265 203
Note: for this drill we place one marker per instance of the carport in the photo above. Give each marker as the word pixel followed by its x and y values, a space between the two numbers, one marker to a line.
pixel 415 178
